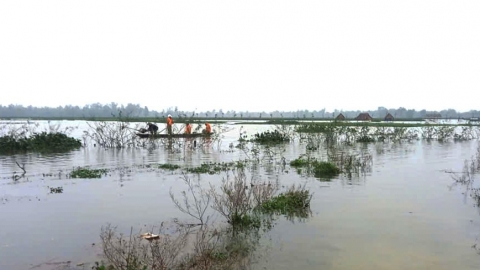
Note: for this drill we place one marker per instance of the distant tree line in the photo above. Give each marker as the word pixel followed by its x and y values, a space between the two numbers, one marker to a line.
pixel 114 110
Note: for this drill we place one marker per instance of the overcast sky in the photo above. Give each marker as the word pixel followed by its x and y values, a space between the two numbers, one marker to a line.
pixel 242 55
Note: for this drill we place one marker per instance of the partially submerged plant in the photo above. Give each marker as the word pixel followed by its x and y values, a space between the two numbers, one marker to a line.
pixel 236 200
pixel 293 202
pixel 467 177
pixel 336 164
pixel 167 166
pixel 87 173
pixel 201 200
pixel 325 169
pixel 246 205
pixel 271 137
pixel 214 168
pixel 39 142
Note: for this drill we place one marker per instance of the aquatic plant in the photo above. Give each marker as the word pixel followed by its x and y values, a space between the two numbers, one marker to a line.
pixel 113 134
pixel 177 247
pixel 441 133
pixel 236 199
pixel 325 169
pixel 319 168
pixel 368 132
pixel 101 266
pixel 167 166
pixel 214 168
pixel 271 137
pixel 364 135
pixel 466 178
pixel 467 133
pixel 246 205
pixel 39 142
pixel 294 202
pixel 201 200
pixel 300 162
pixel 87 173
pixel 336 164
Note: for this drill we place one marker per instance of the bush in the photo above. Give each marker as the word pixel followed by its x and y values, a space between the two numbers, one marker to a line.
pixel 271 137
pixel 87 173
pixel 39 142
pixel 324 168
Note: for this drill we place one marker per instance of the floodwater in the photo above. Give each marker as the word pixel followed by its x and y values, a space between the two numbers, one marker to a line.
pixel 400 214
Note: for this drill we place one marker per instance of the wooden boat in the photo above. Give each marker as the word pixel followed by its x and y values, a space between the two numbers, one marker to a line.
pixel 166 136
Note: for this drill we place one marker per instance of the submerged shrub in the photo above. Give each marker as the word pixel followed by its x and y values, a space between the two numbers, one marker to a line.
pixel 318 168
pixel 300 162
pixel 87 173
pixel 245 221
pixel 324 168
pixel 167 166
pixel 366 139
pixel 271 137
pixel 214 168
pixel 39 142
pixel 295 200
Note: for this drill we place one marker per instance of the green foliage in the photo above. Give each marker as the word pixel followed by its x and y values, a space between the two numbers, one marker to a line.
pixel 316 127
pixel 324 127
pixel 87 173
pixel 324 168
pixel 245 221
pixel 39 142
pixel 288 203
pixel 214 168
pixel 271 137
pixel 366 139
pixel 300 162
pixel 167 166
pixel 319 168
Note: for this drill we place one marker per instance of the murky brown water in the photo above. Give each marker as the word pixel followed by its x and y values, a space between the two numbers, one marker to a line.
pixel 399 215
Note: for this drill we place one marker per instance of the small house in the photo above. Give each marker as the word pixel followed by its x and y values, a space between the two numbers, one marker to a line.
pixel 340 117
pixel 364 117
pixel 388 117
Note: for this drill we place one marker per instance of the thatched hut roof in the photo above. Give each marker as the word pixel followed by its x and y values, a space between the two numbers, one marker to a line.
pixel 389 117
pixel 364 117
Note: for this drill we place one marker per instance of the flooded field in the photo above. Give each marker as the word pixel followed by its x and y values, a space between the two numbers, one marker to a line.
pixel 398 209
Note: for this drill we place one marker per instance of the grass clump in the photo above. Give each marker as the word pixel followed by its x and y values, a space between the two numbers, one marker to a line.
pixel 87 173
pixel 214 168
pixel 245 221
pixel 271 137
pixel 300 162
pixel 295 200
pixel 325 168
pixel 39 142
pixel 320 169
pixel 167 166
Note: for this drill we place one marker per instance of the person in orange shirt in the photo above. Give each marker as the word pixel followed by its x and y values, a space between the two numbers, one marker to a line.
pixel 208 128
pixel 188 128
pixel 169 124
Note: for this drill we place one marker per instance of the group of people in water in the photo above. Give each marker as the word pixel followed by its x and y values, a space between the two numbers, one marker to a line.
pixel 152 128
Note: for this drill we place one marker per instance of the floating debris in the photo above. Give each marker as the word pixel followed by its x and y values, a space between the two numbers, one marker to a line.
pixel 149 236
